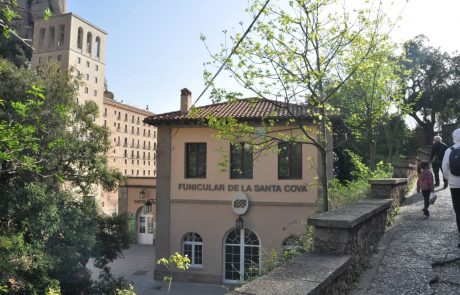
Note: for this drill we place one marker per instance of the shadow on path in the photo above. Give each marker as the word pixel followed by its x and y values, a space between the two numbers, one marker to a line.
pixel 418 254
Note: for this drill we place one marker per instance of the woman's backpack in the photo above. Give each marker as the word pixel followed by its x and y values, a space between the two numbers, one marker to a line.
pixel 454 161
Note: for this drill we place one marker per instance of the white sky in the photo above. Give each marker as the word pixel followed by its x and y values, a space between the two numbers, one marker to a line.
pixel 438 20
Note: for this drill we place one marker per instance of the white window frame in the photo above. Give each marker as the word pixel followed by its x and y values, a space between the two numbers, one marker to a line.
pixel 193 245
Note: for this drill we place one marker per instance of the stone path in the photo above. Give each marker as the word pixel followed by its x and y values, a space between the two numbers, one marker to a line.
pixel 417 255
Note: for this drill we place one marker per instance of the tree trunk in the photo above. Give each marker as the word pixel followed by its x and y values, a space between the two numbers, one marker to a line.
pixel 372 151
pixel 428 131
pixel 324 180
pixel 386 127
pixel 323 171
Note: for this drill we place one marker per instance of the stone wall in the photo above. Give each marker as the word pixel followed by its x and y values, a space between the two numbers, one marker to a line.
pixel 344 240
pixel 310 273
pixel 404 170
pixel 389 188
pixel 353 230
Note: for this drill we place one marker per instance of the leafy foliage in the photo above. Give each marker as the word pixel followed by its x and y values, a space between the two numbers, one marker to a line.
pixel 430 85
pixel 52 159
pixel 350 191
pixel 302 244
pixel 365 101
pixel 176 260
pixel 299 53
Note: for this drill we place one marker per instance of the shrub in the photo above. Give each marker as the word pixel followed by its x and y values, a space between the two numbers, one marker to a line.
pixel 344 193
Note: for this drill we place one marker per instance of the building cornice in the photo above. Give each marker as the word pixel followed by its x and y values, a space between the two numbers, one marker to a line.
pixel 253 203
pixel 126 107
pixel 71 14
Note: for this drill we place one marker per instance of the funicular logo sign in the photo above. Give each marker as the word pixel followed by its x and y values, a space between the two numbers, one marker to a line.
pixel 240 203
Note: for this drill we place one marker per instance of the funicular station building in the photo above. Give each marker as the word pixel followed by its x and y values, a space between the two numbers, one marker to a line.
pixel 225 221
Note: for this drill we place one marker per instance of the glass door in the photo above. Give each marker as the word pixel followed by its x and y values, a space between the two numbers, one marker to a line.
pixel 241 255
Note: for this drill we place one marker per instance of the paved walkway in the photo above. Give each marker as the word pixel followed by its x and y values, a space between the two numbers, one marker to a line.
pixel 137 266
pixel 417 255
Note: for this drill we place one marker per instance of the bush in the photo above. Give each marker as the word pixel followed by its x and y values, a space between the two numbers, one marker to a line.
pixel 344 193
pixel 301 245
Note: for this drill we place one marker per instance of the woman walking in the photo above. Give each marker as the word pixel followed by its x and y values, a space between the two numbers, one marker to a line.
pixel 454 180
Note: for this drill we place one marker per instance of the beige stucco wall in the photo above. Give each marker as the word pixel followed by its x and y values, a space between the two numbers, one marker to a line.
pixel 265 170
pixel 272 224
pixel 272 216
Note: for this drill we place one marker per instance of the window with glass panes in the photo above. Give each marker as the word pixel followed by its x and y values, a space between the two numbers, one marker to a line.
pixel 193 249
pixel 289 160
pixel 241 160
pixel 241 256
pixel 195 160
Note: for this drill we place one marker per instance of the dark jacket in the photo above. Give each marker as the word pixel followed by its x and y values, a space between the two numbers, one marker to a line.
pixel 437 151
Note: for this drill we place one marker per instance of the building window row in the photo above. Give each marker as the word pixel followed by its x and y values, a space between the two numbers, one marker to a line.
pixel 241 160
pixel 134 119
pixel 88 64
pixel 50 58
pixel 52 38
pixel 136 154
pixel 137 172
pixel 87 76
pixel 134 130
pixel 132 162
pixel 96 51
pixel 145 146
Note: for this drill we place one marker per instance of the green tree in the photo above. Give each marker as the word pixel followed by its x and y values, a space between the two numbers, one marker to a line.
pixel 430 86
pixel 52 158
pixel 365 101
pixel 176 260
pixel 300 53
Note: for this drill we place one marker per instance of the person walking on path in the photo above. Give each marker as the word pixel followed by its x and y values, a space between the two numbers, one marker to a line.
pixel 425 185
pixel 437 154
pixel 454 180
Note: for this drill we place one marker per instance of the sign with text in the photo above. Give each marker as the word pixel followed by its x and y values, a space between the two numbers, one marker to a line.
pixel 262 188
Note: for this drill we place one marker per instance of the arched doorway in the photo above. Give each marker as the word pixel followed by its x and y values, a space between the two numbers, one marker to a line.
pixel 146 225
pixel 241 255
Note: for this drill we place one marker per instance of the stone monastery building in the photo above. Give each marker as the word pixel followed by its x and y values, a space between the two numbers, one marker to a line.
pixel 75 43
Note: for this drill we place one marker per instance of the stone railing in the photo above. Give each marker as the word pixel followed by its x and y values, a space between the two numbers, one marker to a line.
pixel 413 160
pixel 404 170
pixel 344 240
pixel 389 188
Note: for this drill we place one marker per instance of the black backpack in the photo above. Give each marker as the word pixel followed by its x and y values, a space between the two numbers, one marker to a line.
pixel 454 161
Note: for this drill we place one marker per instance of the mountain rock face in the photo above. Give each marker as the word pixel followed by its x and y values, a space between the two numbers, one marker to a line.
pixel 31 9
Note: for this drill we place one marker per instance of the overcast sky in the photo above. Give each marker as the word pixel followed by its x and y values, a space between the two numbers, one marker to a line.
pixel 154 48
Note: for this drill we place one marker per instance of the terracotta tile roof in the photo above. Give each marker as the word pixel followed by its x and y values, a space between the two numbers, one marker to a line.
pixel 249 109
